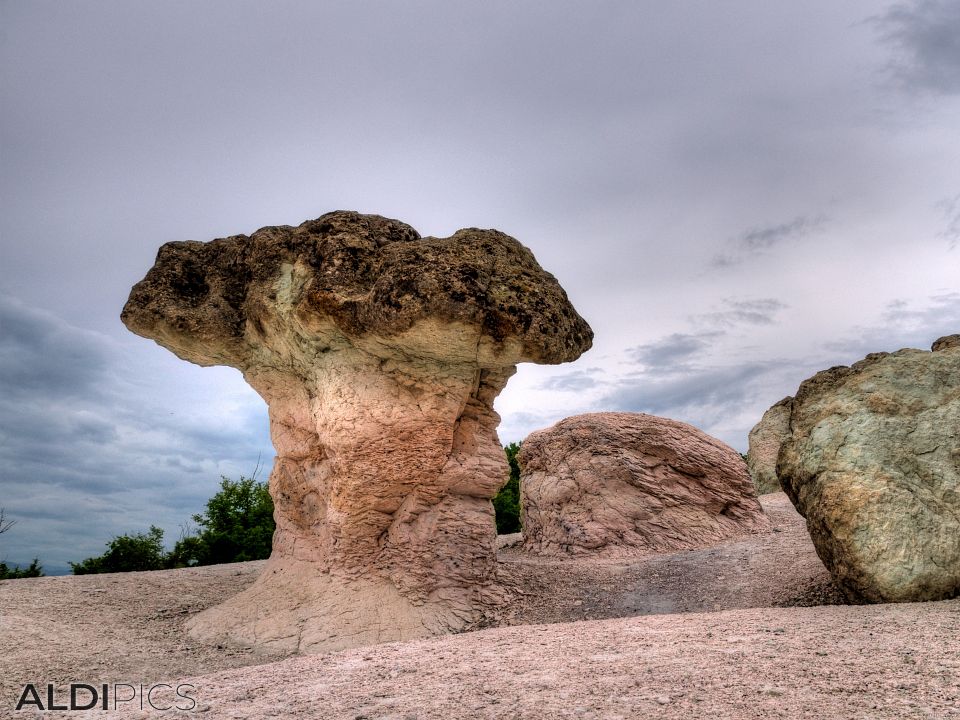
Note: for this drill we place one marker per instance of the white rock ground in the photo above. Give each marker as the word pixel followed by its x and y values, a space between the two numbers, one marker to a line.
pixel 716 633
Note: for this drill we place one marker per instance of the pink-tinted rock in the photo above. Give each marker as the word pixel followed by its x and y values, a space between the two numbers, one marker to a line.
pixel 617 484
pixel 379 354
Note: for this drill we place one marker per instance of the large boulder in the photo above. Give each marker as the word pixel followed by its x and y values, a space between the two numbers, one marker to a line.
pixel 617 484
pixel 764 446
pixel 379 354
pixel 873 464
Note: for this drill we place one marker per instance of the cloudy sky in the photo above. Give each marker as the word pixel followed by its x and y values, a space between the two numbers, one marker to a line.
pixel 734 195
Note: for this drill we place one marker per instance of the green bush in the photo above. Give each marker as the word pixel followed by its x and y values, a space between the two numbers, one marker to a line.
pixel 126 553
pixel 16 572
pixel 236 526
pixel 189 550
pixel 506 503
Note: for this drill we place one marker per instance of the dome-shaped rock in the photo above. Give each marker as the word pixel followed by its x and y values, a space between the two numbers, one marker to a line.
pixel 614 484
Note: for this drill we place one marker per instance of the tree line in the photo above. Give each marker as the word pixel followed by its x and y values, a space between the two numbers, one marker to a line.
pixel 236 525
pixel 10 573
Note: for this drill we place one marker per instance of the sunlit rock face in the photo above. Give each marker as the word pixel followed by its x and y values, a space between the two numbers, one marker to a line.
pixel 872 462
pixel 379 354
pixel 619 484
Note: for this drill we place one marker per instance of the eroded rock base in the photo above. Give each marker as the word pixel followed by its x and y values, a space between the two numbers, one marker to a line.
pixel 293 607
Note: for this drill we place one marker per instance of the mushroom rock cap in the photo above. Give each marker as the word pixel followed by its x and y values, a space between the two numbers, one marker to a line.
pixel 478 296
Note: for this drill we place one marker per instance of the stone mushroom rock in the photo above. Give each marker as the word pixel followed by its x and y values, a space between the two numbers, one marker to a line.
pixel 873 464
pixel 617 484
pixel 764 446
pixel 379 354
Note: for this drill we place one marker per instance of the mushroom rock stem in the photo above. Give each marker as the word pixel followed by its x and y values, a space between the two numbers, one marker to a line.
pixel 384 481
pixel 382 487
pixel 379 354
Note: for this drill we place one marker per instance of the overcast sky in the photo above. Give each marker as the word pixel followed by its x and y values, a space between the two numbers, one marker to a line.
pixel 734 195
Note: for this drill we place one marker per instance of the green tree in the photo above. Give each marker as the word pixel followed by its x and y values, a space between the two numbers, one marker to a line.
pixel 506 503
pixel 188 551
pixel 237 525
pixel 126 553
pixel 15 572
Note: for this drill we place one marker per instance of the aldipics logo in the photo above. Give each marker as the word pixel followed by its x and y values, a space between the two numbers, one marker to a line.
pixel 83 696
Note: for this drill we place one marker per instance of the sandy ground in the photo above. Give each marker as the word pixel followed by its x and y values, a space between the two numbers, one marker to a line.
pixel 719 633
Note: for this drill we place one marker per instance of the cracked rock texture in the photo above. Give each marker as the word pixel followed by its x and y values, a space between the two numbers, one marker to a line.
pixel 619 484
pixel 379 354
pixel 946 342
pixel 873 464
pixel 765 440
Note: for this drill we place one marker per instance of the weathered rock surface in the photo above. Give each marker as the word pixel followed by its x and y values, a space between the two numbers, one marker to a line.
pixel 873 464
pixel 765 440
pixel 617 484
pixel 379 354
pixel 945 343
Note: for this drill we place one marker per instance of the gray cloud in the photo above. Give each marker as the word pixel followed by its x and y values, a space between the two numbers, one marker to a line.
pixel 704 392
pixel 575 381
pixel 757 240
pixel 84 457
pixel 680 353
pixel 684 375
pixel 517 425
pixel 681 376
pixel 925 35
pixel 763 238
pixel 672 353
pixel 950 207
pixel 723 400
pixel 759 311
pixel 39 354
pixel 904 324
pixel 618 140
